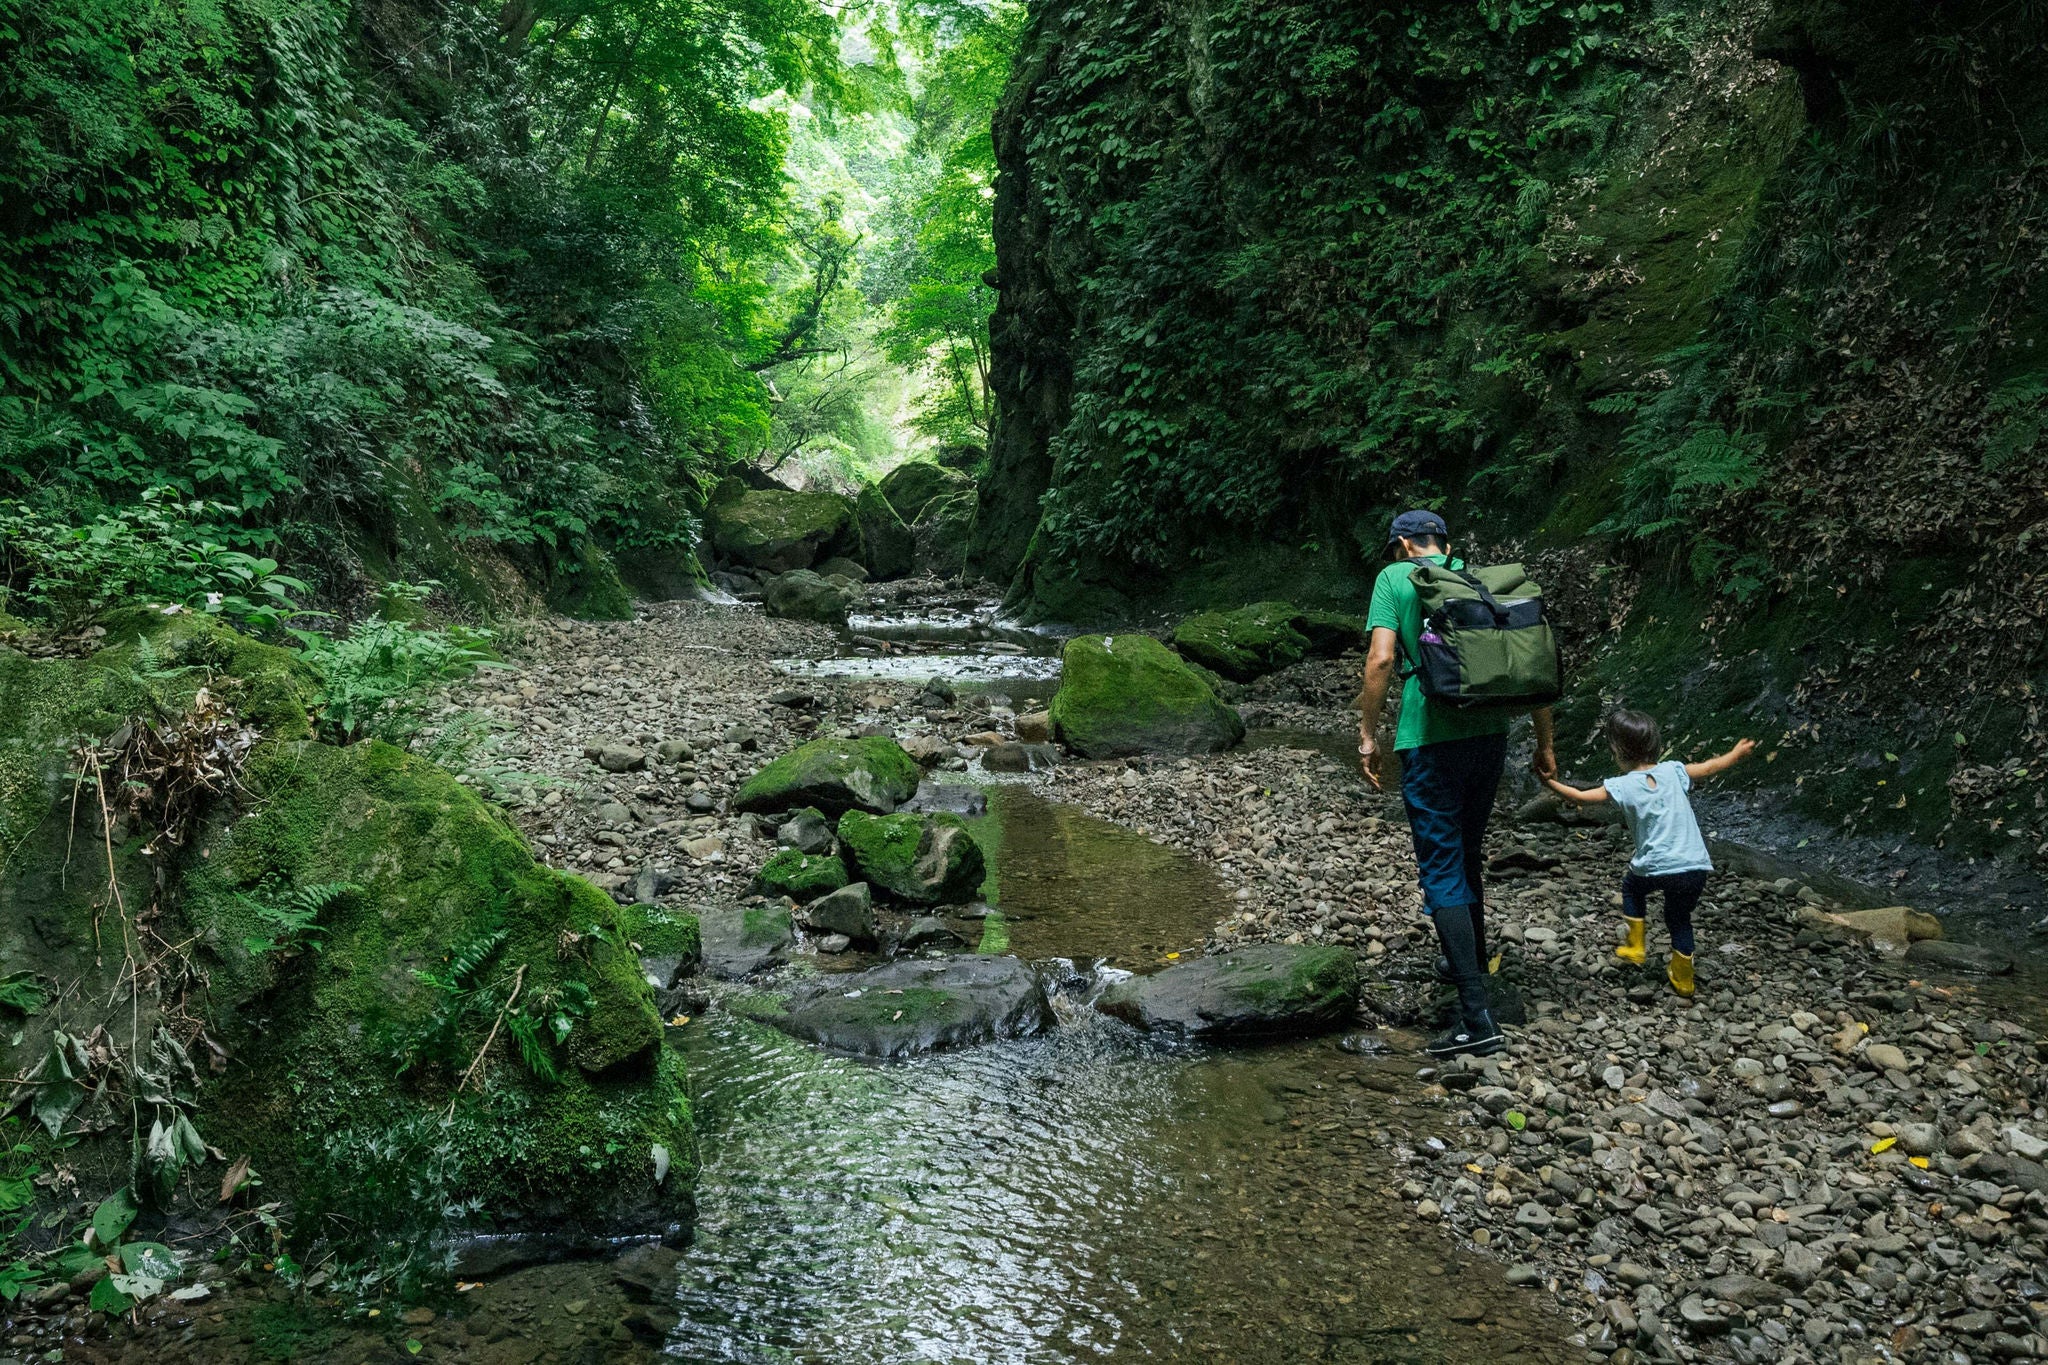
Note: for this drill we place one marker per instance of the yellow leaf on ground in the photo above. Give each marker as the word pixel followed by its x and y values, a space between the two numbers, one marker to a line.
pixel 1919 1161
pixel 1884 1144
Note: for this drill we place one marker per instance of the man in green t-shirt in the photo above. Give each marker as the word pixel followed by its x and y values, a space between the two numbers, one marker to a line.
pixel 1451 761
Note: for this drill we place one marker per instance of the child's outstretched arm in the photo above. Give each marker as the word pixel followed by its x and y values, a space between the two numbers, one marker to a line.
pixel 1573 794
pixel 1720 763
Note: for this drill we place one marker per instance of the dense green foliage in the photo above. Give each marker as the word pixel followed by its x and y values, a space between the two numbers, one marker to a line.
pixel 1736 306
pixel 460 280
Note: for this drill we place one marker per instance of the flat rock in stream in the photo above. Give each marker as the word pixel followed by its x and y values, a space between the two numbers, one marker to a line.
pixel 1261 991
pixel 906 1008
pixel 740 943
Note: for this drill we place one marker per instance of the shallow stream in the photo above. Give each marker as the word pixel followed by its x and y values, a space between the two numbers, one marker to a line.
pixel 1084 1195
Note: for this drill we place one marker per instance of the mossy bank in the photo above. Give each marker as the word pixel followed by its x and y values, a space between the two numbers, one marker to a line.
pixel 337 963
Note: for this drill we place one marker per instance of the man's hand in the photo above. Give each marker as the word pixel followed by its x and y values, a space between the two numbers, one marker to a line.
pixel 1545 761
pixel 1369 758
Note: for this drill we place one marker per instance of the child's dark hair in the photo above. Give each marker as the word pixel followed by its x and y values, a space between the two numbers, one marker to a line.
pixel 1635 738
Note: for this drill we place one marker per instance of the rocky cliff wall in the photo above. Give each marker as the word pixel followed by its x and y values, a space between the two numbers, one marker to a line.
pixel 1727 314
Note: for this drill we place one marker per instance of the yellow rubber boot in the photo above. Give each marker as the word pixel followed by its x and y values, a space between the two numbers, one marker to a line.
pixel 1680 972
pixel 1633 950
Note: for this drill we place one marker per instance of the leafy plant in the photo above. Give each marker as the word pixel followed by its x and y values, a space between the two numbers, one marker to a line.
pixel 157 549
pixel 293 916
pixel 373 680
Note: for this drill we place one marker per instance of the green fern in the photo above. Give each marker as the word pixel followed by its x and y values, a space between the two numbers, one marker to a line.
pixel 293 916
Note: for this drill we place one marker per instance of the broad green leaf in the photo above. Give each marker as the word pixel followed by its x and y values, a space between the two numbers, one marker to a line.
pixel 113 1217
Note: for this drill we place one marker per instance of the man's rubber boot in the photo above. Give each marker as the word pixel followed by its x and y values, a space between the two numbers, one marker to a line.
pixel 1474 1037
pixel 1633 951
pixel 1680 972
pixel 1443 968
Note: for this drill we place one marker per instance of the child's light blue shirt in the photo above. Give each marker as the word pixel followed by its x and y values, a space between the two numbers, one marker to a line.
pixel 1666 832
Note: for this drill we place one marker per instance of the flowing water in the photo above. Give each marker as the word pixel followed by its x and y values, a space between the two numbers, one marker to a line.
pixel 1084 1195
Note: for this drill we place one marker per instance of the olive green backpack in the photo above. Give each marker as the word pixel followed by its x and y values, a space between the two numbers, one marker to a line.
pixel 1485 639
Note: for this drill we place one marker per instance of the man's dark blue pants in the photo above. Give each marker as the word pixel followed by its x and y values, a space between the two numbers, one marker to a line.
pixel 1449 790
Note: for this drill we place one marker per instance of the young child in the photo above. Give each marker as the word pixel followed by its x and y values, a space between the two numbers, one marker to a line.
pixel 1671 856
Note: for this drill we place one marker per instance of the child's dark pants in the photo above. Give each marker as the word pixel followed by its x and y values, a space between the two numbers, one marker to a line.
pixel 1681 893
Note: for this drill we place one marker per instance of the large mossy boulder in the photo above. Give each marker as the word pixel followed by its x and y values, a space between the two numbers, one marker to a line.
pixel 1262 991
pixel 942 531
pixel 350 922
pixel 800 876
pixel 1129 694
pixel 776 532
pixel 1244 644
pixel 886 538
pixel 917 859
pixel 801 595
pixel 1265 637
pixel 914 485
pixel 914 1006
pixel 835 776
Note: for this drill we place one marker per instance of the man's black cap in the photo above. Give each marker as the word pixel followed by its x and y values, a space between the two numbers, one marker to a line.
pixel 1420 522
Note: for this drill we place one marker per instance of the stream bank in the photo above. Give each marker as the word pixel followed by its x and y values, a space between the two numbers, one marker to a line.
pixel 1684 1182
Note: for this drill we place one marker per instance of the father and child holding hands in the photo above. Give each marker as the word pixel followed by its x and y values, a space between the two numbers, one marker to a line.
pixel 1474 649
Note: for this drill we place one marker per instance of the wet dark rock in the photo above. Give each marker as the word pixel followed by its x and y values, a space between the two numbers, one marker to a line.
pixel 929 931
pixel 647 1273
pixel 741 943
pixel 914 1006
pixel 948 798
pixel 1262 990
pixel 1972 958
pixel 651 883
pixel 1008 757
pixel 849 911
pixel 807 831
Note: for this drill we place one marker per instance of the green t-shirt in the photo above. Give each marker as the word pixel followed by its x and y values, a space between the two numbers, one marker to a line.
pixel 1395 607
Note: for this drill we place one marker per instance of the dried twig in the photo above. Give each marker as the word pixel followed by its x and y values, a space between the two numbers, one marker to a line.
pixel 518 982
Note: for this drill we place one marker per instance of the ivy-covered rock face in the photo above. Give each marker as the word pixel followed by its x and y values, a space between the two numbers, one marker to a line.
pixel 369 951
pixel 918 859
pixel 1129 694
pixel 777 532
pixel 834 775
pixel 914 485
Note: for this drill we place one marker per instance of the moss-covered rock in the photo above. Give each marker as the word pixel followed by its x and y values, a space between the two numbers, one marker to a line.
pixel 914 485
pixel 1259 991
pixel 781 531
pixel 886 539
pixel 942 533
pixel 800 876
pixel 1265 637
pixel 834 775
pixel 1244 644
pixel 919 859
pixel 1330 633
pixel 801 595
pixel 357 1085
pixel 1129 694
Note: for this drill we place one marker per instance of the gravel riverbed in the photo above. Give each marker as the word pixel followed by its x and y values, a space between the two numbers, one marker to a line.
pixel 1825 1155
